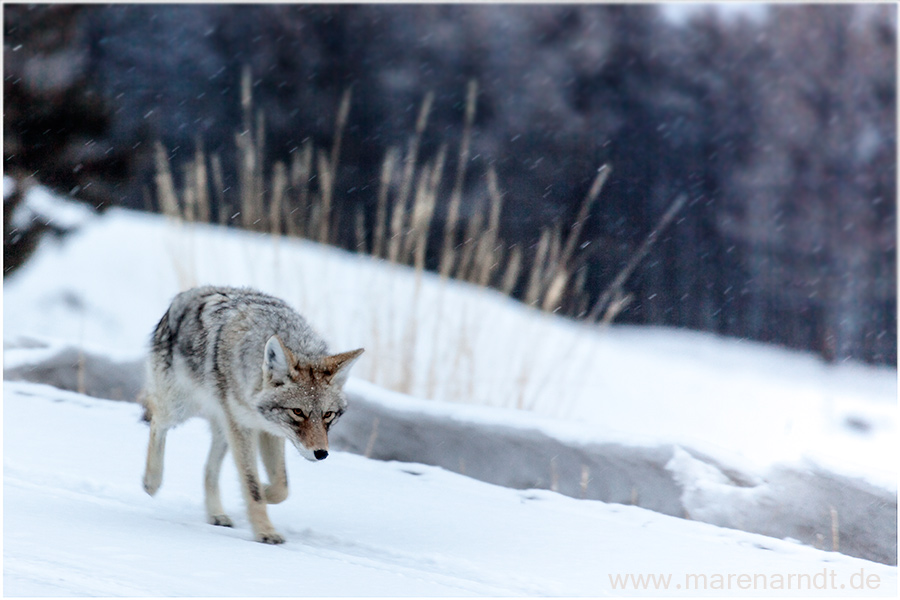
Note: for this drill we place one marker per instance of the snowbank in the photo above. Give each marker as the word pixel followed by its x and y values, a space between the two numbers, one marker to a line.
pixel 103 288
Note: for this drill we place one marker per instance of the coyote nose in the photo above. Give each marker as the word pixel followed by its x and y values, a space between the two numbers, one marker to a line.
pixel 321 454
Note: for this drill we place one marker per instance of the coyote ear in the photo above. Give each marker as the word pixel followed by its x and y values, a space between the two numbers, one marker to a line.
pixel 275 359
pixel 337 367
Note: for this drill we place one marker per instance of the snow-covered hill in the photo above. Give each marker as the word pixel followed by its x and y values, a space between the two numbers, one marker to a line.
pixel 76 522
pixel 743 435
pixel 104 288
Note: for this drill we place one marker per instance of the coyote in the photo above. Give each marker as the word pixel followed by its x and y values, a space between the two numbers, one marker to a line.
pixel 255 369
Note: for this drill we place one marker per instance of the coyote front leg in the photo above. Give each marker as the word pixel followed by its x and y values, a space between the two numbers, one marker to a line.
pixel 271 448
pixel 243 447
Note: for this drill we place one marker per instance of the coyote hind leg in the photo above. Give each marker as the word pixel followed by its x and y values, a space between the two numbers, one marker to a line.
pixel 214 512
pixel 156 450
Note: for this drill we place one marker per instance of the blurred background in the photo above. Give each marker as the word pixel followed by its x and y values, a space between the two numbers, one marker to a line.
pixel 768 130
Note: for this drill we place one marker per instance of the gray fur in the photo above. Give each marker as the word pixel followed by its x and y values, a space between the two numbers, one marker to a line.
pixel 256 370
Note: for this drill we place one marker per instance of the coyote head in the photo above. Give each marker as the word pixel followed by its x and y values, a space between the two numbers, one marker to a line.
pixel 300 398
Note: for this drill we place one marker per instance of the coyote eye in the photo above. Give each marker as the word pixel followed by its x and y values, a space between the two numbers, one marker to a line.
pixel 328 416
pixel 298 413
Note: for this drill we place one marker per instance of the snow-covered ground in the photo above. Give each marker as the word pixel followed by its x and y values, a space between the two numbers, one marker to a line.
pixel 77 522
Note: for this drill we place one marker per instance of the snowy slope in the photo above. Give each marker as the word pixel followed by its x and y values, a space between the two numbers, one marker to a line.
pixel 76 522
pixel 752 405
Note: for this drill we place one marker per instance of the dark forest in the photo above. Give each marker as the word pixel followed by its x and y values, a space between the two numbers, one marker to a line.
pixel 779 132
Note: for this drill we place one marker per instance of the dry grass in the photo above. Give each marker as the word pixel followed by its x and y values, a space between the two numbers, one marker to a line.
pixel 448 252
pixel 299 200
pixel 285 201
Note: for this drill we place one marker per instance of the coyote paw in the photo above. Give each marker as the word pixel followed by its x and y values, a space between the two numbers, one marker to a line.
pixel 221 520
pixel 275 493
pixel 270 537
pixel 151 483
